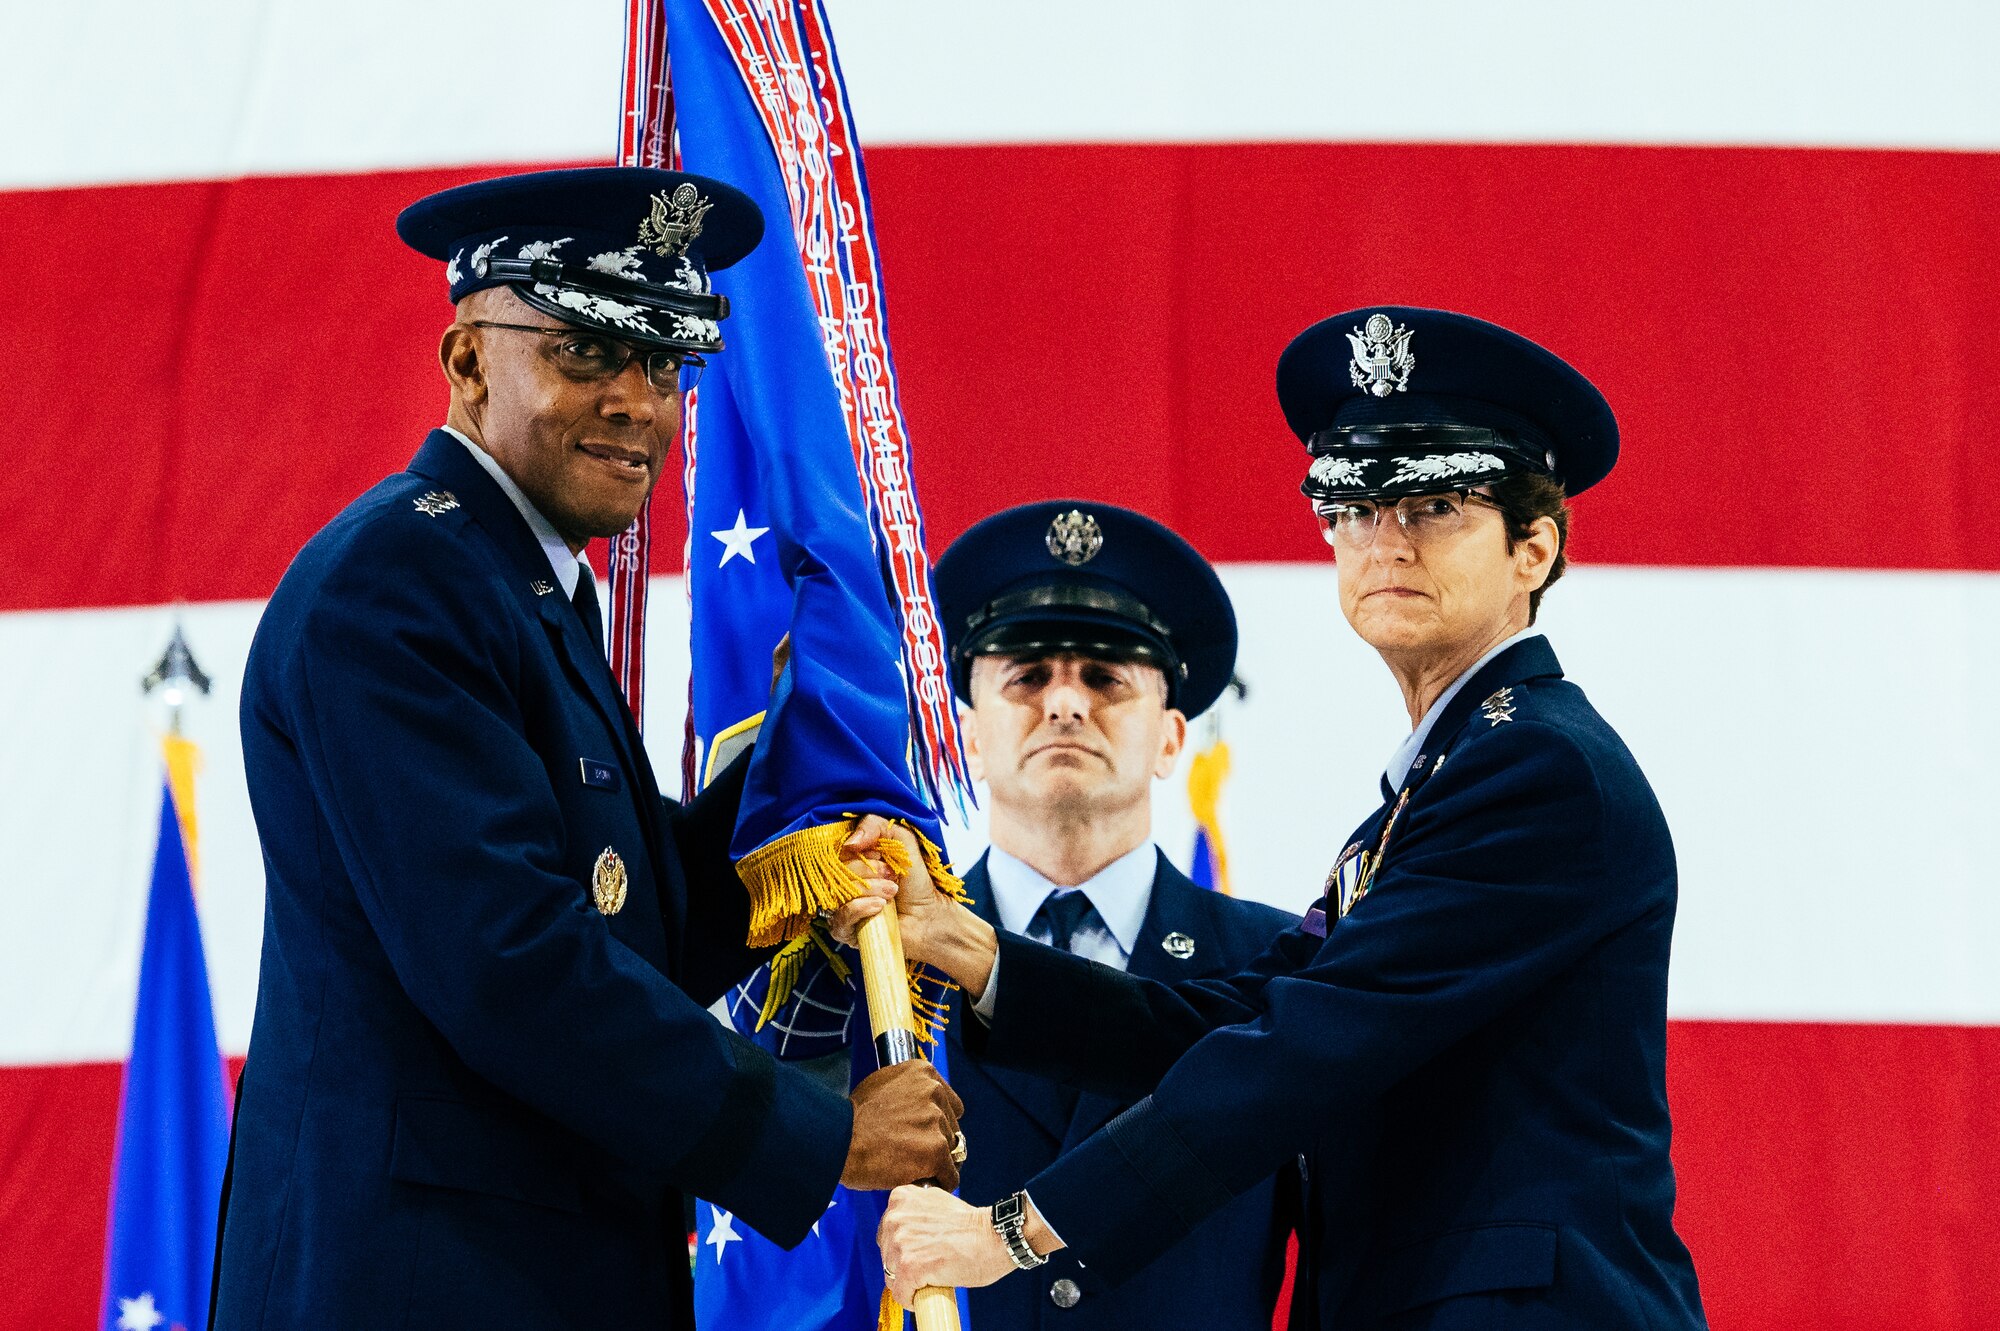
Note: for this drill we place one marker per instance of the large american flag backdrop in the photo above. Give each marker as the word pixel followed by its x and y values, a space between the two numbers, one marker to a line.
pixel 1767 230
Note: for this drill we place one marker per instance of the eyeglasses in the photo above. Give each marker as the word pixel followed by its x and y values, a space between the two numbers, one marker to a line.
pixel 589 357
pixel 1351 524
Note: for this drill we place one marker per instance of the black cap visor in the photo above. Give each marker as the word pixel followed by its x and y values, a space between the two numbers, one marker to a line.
pixel 1392 461
pixel 1081 630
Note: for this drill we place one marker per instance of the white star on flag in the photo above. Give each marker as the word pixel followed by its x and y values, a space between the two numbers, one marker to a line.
pixel 722 1233
pixel 736 540
pixel 138 1314
pixel 823 1214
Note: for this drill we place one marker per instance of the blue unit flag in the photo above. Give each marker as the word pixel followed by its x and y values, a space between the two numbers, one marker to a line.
pixel 173 1126
pixel 802 519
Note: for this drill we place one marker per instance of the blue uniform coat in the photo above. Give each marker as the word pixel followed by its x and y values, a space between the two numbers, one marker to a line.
pixel 1473 1057
pixel 1231 1266
pixel 472 1099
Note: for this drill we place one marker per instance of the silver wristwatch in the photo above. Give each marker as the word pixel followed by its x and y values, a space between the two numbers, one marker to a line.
pixel 1010 1216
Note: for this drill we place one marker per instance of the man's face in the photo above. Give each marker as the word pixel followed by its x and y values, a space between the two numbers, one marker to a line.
pixel 1406 593
pixel 1070 736
pixel 586 452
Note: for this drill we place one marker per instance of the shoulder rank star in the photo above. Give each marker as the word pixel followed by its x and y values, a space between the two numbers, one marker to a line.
pixel 607 883
pixel 434 502
pixel 1498 707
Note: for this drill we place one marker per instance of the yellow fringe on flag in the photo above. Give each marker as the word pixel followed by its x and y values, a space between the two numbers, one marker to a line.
pixel 891 1316
pixel 1207 771
pixel 794 878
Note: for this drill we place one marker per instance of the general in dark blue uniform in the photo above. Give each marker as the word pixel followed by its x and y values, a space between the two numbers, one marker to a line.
pixel 481 1076
pixel 1467 1033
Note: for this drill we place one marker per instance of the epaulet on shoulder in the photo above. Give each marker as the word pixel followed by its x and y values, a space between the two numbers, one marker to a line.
pixel 406 521
pixel 1514 722
pixel 416 509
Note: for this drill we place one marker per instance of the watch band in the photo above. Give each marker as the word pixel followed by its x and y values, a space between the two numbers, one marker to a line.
pixel 1010 1217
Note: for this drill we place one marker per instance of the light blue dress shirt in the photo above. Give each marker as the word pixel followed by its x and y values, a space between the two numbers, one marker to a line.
pixel 1119 893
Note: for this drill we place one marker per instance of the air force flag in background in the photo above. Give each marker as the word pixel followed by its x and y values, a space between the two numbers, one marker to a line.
pixel 173 1126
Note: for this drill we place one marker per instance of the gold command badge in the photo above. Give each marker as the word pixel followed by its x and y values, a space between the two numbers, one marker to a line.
pixel 607 883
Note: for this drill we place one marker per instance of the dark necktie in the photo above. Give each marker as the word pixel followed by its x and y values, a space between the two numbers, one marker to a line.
pixel 585 602
pixel 1064 913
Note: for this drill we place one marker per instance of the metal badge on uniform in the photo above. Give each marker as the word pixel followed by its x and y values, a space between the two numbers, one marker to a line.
pixel 1178 945
pixel 1341 880
pixel 1382 359
pixel 674 222
pixel 598 775
pixel 541 587
pixel 433 502
pixel 607 883
pixel 1499 706
pixel 1075 538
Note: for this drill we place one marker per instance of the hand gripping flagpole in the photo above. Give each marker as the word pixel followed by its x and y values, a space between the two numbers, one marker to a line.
pixel 782 906
pixel 893 1021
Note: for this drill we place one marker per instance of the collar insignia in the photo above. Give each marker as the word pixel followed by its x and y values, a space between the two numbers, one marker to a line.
pixel 675 221
pixel 1382 359
pixel 1178 945
pixel 1499 707
pixel 433 502
pixel 1075 538
pixel 541 587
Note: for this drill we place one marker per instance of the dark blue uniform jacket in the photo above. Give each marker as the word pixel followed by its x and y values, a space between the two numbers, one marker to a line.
pixel 1473 1058
pixel 471 1099
pixel 1231 1266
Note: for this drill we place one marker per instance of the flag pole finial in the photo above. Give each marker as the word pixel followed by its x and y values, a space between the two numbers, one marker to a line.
pixel 174 676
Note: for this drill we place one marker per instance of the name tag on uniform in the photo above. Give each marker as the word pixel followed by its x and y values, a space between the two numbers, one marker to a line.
pixel 1315 921
pixel 597 775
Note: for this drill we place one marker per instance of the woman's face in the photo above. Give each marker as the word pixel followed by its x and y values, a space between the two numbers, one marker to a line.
pixel 1412 594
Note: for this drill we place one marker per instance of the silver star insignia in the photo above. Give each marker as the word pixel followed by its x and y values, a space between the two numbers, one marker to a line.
pixel 434 502
pixel 1497 708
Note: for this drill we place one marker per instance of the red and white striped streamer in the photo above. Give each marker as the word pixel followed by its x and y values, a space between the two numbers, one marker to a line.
pixel 785 54
pixel 645 136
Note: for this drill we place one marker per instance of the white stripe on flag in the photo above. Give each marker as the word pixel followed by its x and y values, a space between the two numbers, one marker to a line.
pixel 1820 741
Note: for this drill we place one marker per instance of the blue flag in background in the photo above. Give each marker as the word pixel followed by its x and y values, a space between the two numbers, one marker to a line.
pixel 173 1126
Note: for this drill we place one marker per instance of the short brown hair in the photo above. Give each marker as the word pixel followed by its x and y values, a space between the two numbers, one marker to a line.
pixel 1524 501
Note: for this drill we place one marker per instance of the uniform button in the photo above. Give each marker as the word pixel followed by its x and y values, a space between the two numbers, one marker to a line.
pixel 1065 1293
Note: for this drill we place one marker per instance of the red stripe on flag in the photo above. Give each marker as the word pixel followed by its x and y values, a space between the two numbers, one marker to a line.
pixel 1789 335
pixel 1838 1177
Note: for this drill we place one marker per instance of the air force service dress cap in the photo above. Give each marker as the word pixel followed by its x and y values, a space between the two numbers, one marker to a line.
pixel 1070 575
pixel 623 250
pixel 1392 400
